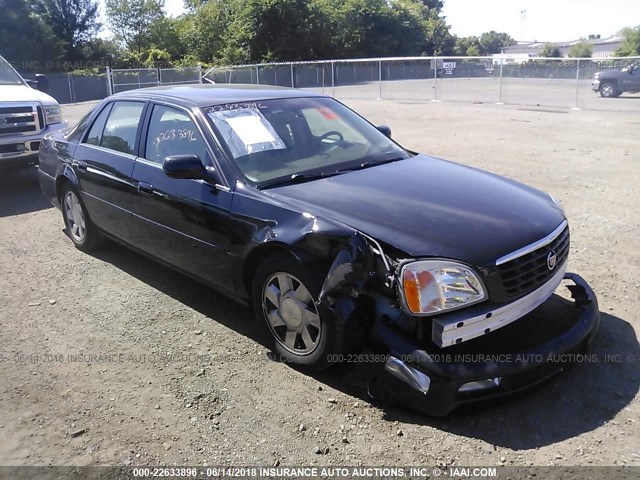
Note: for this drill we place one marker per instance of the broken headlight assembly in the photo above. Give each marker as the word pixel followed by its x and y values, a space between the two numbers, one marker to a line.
pixel 429 287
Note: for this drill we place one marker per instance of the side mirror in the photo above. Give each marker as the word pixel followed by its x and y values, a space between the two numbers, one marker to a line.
pixel 42 82
pixel 384 129
pixel 184 166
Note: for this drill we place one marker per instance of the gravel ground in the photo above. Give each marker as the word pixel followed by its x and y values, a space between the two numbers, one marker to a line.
pixel 144 366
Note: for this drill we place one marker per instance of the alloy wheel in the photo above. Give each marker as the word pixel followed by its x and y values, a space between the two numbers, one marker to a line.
pixel 75 216
pixel 291 313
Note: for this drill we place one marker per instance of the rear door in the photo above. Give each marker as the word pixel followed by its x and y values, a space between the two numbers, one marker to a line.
pixel 180 221
pixel 104 163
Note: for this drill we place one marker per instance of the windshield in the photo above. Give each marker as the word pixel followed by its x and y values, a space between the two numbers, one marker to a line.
pixel 275 140
pixel 8 75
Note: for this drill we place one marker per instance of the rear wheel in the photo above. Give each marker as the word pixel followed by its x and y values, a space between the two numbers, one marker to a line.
pixel 608 90
pixel 80 229
pixel 284 300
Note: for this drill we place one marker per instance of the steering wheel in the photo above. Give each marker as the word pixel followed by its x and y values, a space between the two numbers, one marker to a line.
pixel 331 133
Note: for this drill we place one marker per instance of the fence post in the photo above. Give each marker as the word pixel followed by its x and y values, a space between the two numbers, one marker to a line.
pixel 435 78
pixel 380 80
pixel 109 82
pixel 333 79
pixel 257 74
pixel 199 73
pixel 577 85
pixel 292 82
pixel 500 91
pixel 71 95
pixel 159 76
pixel 323 65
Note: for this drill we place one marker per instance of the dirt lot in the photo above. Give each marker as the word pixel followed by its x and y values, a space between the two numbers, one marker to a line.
pixel 177 377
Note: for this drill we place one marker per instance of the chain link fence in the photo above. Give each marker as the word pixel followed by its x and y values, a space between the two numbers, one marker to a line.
pixel 75 87
pixel 121 80
pixel 543 82
pixel 548 82
pixel 78 87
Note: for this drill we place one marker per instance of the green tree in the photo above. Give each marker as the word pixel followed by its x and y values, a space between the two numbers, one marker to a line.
pixel 27 41
pixel 366 28
pixel 467 46
pixel 630 46
pixel 486 44
pixel 74 22
pixel 581 49
pixel 242 31
pixel 493 42
pixel 203 31
pixel 550 51
pixel 433 5
pixel 132 21
pixel 166 34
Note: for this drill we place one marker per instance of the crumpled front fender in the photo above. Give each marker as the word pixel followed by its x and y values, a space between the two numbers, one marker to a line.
pixel 340 296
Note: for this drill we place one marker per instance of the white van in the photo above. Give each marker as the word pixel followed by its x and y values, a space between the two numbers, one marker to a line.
pixel 26 115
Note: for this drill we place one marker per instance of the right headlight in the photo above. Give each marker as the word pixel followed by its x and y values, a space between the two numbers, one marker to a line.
pixel 428 287
pixel 52 114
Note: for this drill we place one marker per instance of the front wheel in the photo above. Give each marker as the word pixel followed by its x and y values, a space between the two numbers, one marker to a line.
pixel 80 229
pixel 284 300
pixel 609 90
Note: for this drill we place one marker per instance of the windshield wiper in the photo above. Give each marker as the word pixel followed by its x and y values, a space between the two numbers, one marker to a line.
pixel 297 178
pixel 370 163
pixel 305 177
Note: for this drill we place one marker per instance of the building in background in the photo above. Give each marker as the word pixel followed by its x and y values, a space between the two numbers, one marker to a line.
pixel 602 47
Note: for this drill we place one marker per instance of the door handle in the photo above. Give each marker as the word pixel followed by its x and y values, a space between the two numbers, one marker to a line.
pixel 81 164
pixel 145 189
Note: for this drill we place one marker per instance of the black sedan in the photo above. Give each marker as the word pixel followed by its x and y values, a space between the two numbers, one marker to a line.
pixel 341 240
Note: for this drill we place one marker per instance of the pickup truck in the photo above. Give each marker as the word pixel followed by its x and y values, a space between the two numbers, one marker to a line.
pixel 26 116
pixel 613 83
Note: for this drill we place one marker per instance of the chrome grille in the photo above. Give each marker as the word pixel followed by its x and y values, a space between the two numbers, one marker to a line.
pixel 23 119
pixel 528 272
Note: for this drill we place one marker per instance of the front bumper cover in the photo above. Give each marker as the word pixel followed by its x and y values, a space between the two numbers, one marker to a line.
pixel 18 150
pixel 539 345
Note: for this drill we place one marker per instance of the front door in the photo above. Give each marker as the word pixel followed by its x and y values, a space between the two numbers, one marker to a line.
pixel 631 79
pixel 182 222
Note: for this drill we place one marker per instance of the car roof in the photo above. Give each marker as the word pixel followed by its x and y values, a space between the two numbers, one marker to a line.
pixel 206 95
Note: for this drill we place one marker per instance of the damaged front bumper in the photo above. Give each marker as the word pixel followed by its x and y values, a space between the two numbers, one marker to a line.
pixel 540 344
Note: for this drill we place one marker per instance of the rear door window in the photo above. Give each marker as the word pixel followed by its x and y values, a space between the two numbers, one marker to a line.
pixel 121 127
pixel 95 133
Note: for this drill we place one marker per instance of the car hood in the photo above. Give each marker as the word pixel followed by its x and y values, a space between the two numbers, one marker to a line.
pixel 430 207
pixel 608 73
pixel 23 93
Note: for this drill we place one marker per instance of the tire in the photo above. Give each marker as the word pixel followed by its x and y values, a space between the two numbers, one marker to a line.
pixel 609 90
pixel 284 294
pixel 80 228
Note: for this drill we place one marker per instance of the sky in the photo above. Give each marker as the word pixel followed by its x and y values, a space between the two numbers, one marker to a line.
pixel 541 20
pixel 526 20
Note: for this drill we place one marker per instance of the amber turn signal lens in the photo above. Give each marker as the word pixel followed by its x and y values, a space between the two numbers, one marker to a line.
pixel 411 292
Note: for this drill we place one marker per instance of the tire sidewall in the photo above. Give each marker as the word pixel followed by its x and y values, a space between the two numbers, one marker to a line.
pixel 311 278
pixel 614 90
pixel 89 239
